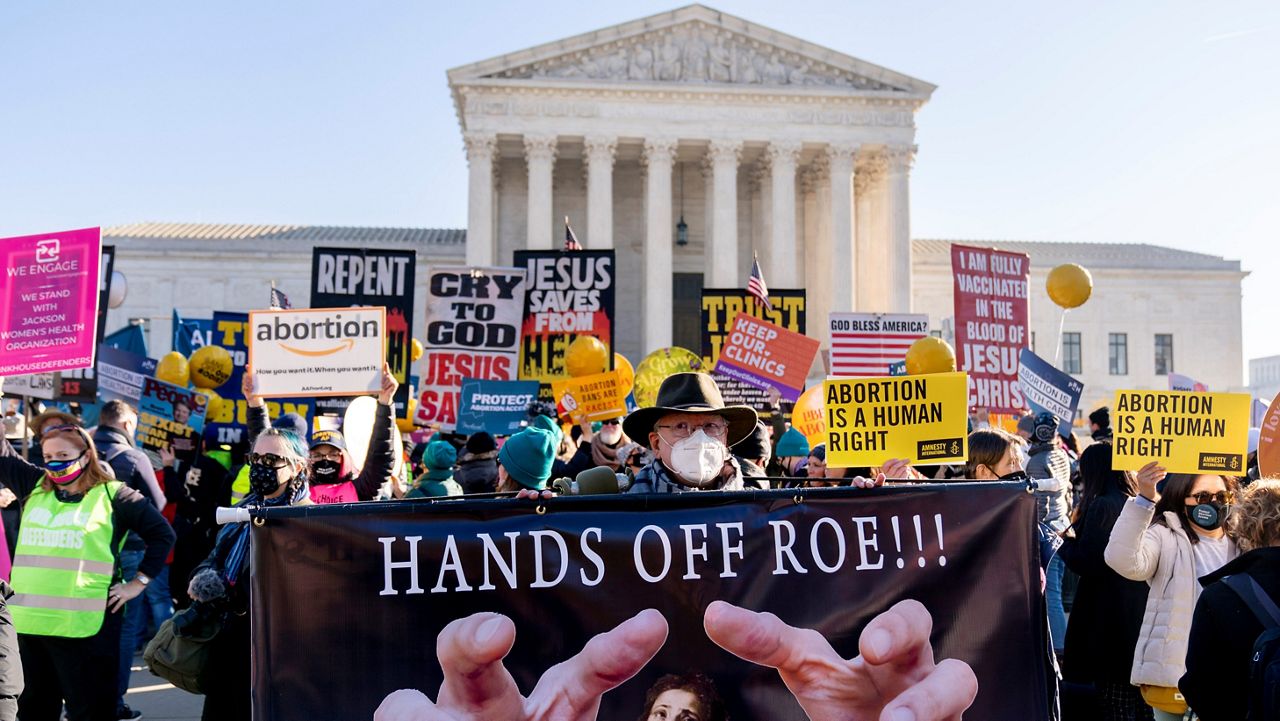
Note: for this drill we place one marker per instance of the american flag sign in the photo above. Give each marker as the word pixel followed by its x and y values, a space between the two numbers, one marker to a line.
pixel 866 344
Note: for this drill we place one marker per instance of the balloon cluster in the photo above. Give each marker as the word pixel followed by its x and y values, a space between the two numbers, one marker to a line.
pixel 209 367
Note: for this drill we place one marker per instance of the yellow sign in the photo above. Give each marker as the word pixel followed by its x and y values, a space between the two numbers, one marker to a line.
pixel 1185 432
pixel 598 396
pixel 924 419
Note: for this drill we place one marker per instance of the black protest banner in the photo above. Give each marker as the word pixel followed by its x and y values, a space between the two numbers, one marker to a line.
pixel 346 277
pixel 390 576
pixel 570 293
pixel 719 306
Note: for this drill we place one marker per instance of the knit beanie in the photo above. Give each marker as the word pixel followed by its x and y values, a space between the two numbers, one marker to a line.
pixel 292 422
pixel 1101 417
pixel 1046 427
pixel 792 443
pixel 754 446
pixel 820 452
pixel 528 455
pixel 439 458
pixel 481 442
pixel 547 423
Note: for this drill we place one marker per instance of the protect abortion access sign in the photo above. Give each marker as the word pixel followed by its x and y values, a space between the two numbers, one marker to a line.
pixel 321 351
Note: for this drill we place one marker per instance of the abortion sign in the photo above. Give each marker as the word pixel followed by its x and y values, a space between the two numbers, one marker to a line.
pixel 49 301
pixel 921 418
pixel 1184 432
pixel 1046 388
pixel 765 355
pixel 320 351
pixel 473 331
pixel 498 407
pixel 569 294
pixel 991 323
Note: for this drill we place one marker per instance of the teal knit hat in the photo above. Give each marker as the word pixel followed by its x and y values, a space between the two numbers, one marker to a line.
pixel 792 443
pixel 547 423
pixel 439 458
pixel 528 455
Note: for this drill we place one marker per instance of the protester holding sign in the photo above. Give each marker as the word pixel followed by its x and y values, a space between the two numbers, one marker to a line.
pixel 1169 540
pixel 1048 464
pixel 334 477
pixel 66 575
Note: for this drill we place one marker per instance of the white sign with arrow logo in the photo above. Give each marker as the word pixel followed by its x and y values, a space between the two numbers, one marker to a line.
pixel 320 351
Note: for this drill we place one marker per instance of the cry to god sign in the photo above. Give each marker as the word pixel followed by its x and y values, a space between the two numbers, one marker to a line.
pixel 921 418
pixel 321 351
pixel 1184 432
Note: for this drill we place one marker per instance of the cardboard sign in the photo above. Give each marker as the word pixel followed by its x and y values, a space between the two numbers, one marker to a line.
pixel 866 344
pixel 1046 388
pixel 598 397
pixel 321 351
pixel 569 294
pixel 473 332
pixel 170 417
pixel 766 356
pixel 921 418
pixel 498 407
pixel 49 301
pixel 1185 432
pixel 719 308
pixel 39 385
pixel 1269 442
pixel 121 374
pixel 991 323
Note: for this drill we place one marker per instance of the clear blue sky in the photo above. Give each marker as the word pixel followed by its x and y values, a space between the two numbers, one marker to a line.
pixel 1144 122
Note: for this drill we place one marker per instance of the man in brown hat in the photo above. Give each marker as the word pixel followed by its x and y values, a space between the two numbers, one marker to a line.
pixel 689 430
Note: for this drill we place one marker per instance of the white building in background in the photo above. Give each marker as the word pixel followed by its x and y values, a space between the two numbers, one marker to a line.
pixel 1264 377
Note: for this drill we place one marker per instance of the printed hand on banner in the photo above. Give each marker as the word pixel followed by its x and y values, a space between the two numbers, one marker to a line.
pixel 477 687
pixel 1148 478
pixel 247 383
pixel 389 385
pixel 894 673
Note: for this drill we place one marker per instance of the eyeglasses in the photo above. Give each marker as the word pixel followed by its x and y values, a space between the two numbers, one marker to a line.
pixel 270 460
pixel 612 422
pixel 1223 497
pixel 683 429
pixel 322 456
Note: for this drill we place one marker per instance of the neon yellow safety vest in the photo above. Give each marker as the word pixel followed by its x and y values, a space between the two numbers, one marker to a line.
pixel 64 563
pixel 240 486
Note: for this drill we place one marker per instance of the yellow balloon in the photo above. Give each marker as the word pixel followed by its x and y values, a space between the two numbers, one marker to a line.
pixel 626 374
pixel 586 356
pixel 930 355
pixel 415 351
pixel 173 368
pixel 216 410
pixel 406 424
pixel 1069 285
pixel 657 366
pixel 210 366
pixel 808 416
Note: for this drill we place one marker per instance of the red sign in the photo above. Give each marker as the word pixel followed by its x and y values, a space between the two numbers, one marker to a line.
pixel 767 355
pixel 991 323
pixel 1269 442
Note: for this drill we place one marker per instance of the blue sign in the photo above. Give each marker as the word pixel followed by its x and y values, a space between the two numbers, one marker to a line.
pixel 499 407
pixel 1048 389
pixel 191 333
pixel 898 369
pixel 121 374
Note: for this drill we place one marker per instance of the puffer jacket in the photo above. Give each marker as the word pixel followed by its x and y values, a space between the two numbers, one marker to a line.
pixel 1046 461
pixel 1161 555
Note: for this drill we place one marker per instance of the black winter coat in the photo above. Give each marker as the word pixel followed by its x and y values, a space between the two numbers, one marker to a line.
pixel 1223 631
pixel 1102 631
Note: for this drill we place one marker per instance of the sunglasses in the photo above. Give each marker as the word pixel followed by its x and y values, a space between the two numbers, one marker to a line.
pixel 614 422
pixel 1223 497
pixel 270 460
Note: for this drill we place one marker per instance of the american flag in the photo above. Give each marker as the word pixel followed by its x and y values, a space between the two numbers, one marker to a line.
pixel 570 240
pixel 279 301
pixel 866 344
pixel 756 286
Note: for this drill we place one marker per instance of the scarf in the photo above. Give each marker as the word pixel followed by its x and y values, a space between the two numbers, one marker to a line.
pixel 603 454
pixel 240 546
pixel 655 478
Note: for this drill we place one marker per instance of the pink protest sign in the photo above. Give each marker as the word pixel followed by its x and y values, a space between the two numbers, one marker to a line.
pixel 49 301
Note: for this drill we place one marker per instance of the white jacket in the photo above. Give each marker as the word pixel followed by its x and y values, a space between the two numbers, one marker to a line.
pixel 1160 555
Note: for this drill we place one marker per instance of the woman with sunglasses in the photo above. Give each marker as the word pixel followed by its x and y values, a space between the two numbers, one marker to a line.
pixel 1170 539
pixel 220 585
pixel 66 575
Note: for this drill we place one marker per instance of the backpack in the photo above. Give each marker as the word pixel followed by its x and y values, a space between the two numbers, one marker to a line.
pixel 1264 665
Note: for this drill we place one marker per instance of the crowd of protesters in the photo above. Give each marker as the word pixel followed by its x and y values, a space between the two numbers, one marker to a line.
pixel 1140 614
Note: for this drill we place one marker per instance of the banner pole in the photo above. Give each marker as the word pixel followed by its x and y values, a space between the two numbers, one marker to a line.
pixel 1057 354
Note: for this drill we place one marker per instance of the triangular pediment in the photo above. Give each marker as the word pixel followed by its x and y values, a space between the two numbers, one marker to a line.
pixel 692 46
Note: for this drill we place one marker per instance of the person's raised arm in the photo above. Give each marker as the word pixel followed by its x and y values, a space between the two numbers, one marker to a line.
pixel 258 417
pixel 1133 550
pixel 19 476
pixel 380 461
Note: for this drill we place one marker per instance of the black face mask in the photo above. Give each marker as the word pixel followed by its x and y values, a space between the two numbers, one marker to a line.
pixel 1209 516
pixel 325 472
pixel 263 480
pixel 1014 476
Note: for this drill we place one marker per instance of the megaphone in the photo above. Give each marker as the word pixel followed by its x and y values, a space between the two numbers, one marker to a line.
pixel 223 515
pixel 593 481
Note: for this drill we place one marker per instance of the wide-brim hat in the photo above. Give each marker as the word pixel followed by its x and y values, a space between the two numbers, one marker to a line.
pixel 690 393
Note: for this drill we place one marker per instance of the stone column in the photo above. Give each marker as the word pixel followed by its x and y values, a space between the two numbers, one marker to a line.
pixel 659 155
pixel 599 158
pixel 760 179
pixel 481 248
pixel 845 260
pixel 723 271
pixel 815 184
pixel 898 216
pixel 540 157
pixel 708 216
pixel 783 156
pixel 870 246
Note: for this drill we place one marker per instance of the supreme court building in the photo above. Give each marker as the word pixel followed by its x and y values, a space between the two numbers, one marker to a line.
pixel 687 142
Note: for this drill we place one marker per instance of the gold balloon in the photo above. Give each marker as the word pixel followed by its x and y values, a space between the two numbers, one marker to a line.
pixel 656 367
pixel 626 373
pixel 809 416
pixel 1069 285
pixel 216 410
pixel 930 355
pixel 210 366
pixel 173 368
pixel 586 356
pixel 415 350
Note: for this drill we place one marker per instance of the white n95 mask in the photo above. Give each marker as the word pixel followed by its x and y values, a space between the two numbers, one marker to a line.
pixel 698 459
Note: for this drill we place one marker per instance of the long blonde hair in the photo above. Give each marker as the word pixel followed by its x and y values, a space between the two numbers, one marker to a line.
pixel 93 474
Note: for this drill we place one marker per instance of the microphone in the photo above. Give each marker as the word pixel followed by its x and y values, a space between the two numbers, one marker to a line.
pixel 593 481
pixel 224 515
